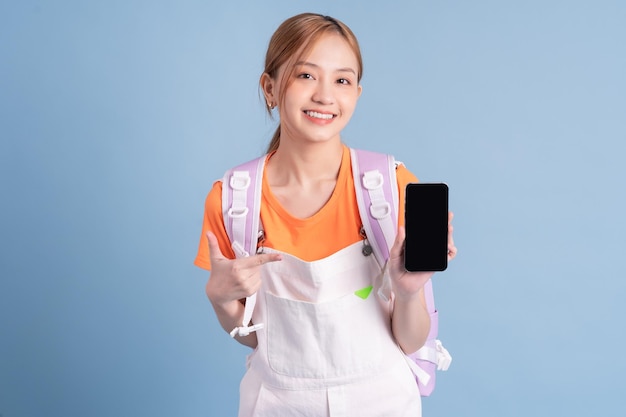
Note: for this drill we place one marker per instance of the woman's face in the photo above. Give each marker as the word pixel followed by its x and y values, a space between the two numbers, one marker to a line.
pixel 322 94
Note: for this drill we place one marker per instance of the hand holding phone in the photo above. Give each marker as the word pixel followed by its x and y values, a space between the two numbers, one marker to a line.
pixel 426 225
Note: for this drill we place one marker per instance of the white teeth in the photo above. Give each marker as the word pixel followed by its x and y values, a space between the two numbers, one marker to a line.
pixel 319 115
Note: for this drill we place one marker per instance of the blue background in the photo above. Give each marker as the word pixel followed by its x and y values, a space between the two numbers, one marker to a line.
pixel 116 116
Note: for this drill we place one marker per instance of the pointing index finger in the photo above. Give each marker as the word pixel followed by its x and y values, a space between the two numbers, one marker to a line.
pixel 261 259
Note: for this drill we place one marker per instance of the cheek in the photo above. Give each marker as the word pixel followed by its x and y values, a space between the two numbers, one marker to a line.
pixel 290 102
pixel 294 94
pixel 349 104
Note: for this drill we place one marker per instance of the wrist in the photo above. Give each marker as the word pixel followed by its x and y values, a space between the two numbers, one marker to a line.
pixel 410 300
pixel 231 308
pixel 408 285
pixel 408 297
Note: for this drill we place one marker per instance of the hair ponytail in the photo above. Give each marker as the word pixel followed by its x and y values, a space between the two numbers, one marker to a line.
pixel 275 141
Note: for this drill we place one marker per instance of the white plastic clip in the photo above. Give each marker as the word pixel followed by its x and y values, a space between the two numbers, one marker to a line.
pixel 380 209
pixel 245 330
pixel 237 212
pixel 443 357
pixel 240 180
pixel 239 250
pixel 373 180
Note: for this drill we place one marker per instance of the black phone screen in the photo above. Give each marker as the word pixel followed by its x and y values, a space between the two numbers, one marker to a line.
pixel 426 224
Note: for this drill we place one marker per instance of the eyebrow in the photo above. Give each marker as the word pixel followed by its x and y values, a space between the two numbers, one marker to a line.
pixel 310 64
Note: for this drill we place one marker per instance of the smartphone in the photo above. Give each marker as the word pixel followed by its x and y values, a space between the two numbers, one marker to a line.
pixel 426 225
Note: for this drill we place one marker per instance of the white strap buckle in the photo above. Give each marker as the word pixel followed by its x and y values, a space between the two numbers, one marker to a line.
pixel 239 250
pixel 373 180
pixel 438 355
pixel 443 356
pixel 237 212
pixel 380 209
pixel 245 330
pixel 240 180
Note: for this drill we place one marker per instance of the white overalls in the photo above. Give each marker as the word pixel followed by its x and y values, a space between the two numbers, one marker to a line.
pixel 326 348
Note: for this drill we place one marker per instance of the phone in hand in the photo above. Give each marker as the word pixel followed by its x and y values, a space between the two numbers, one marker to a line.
pixel 426 225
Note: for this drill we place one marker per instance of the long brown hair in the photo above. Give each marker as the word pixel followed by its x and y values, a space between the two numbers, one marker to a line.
pixel 292 41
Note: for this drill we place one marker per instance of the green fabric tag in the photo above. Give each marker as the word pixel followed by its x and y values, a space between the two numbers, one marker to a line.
pixel 363 292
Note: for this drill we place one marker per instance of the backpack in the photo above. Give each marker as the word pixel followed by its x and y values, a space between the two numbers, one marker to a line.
pixel 377 198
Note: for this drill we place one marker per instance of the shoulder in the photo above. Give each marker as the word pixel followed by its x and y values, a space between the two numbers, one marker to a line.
pixel 404 175
pixel 366 157
pixel 214 197
pixel 253 166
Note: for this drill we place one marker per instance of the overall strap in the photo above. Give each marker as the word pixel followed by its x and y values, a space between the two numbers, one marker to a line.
pixel 241 208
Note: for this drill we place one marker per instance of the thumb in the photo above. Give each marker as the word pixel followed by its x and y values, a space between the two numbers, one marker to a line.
pixel 214 247
pixel 398 244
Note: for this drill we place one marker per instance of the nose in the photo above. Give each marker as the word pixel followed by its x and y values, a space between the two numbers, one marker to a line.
pixel 323 93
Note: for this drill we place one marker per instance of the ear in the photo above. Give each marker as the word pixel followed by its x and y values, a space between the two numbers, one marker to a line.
pixel 268 85
pixel 360 90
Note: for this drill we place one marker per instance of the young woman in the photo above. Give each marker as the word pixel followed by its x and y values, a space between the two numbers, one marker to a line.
pixel 322 351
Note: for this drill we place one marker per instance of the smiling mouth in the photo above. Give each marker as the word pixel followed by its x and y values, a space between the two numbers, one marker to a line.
pixel 316 115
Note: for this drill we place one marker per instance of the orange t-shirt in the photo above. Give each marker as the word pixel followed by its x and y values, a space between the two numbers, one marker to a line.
pixel 334 227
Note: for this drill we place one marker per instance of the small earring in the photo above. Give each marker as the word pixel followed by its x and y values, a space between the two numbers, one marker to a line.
pixel 271 105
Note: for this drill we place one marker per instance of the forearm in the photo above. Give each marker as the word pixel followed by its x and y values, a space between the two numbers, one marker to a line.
pixel 410 322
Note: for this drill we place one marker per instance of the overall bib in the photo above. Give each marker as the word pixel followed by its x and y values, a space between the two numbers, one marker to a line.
pixel 326 348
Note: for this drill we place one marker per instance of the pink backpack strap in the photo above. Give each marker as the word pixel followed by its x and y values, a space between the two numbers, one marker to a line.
pixel 241 205
pixel 241 211
pixel 377 196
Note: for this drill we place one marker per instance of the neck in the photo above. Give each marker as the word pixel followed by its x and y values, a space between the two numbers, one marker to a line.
pixel 303 164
